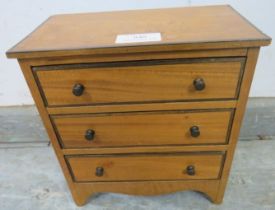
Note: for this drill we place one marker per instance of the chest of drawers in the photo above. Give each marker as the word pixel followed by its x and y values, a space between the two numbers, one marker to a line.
pixel 143 102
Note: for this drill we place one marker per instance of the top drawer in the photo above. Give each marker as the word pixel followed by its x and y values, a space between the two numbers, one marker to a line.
pixel 141 81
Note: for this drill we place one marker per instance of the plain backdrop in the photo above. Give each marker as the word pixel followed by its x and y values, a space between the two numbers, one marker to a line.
pixel 19 17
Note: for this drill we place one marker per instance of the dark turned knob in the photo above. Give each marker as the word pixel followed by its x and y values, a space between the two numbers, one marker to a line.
pixel 195 131
pixel 199 84
pixel 190 170
pixel 99 171
pixel 90 134
pixel 78 89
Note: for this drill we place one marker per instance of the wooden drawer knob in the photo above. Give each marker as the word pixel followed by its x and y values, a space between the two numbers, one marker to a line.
pixel 78 89
pixel 195 131
pixel 190 170
pixel 199 84
pixel 99 171
pixel 90 134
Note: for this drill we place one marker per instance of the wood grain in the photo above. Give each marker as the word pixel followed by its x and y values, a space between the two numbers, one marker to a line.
pixel 26 69
pixel 161 106
pixel 147 128
pixel 213 188
pixel 145 149
pixel 85 190
pixel 239 114
pixel 145 167
pixel 145 83
pixel 95 33
pixel 139 98
pixel 139 56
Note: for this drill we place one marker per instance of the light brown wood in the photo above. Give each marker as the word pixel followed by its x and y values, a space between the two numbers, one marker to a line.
pixel 147 128
pixel 194 105
pixel 145 149
pixel 144 83
pixel 219 44
pixel 82 191
pixel 95 33
pixel 252 57
pixel 141 56
pixel 145 167
pixel 85 190
pixel 26 69
pixel 139 49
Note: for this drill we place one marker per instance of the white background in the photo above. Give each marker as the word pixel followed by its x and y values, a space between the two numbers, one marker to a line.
pixel 20 17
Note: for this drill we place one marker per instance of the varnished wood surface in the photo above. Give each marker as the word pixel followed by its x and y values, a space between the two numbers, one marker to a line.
pixel 145 167
pixel 145 149
pixel 95 33
pixel 147 128
pixel 216 34
pixel 82 191
pixel 87 189
pixel 161 106
pixel 139 56
pixel 26 69
pixel 171 80
pixel 239 114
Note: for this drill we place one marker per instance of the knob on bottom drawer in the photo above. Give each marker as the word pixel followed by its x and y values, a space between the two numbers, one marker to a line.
pixel 190 170
pixel 99 171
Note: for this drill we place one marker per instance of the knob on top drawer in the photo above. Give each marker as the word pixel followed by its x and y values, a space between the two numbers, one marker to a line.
pixel 157 81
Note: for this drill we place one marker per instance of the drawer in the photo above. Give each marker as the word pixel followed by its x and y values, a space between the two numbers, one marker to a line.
pixel 145 167
pixel 143 128
pixel 140 82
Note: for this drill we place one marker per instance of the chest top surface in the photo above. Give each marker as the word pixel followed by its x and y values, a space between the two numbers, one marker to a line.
pixel 180 28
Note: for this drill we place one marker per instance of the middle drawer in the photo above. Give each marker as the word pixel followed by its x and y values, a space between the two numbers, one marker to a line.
pixel 143 128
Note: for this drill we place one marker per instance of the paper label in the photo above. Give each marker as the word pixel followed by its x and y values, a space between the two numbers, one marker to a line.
pixel 133 38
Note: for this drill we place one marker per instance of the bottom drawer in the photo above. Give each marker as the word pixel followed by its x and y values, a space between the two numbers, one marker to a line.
pixel 86 168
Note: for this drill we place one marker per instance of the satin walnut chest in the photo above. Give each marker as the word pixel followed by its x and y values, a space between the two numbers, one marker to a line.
pixel 143 102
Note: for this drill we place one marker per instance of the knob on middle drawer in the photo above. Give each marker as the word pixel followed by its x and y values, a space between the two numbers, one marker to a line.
pixel 78 89
pixel 199 84
pixel 89 134
pixel 195 131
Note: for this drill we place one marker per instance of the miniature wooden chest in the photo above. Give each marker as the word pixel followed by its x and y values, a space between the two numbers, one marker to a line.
pixel 143 102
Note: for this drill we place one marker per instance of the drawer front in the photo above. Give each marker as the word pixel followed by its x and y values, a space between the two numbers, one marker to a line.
pixel 144 128
pixel 145 167
pixel 204 79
